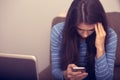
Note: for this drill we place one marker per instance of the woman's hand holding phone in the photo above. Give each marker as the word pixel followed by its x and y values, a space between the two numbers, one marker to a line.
pixel 75 73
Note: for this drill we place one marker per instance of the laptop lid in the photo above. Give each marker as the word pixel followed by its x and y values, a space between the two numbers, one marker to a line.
pixel 18 67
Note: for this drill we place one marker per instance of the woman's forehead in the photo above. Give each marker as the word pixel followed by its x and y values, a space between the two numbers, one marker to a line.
pixel 86 26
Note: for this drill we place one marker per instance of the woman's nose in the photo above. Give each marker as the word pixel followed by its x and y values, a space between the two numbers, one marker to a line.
pixel 85 34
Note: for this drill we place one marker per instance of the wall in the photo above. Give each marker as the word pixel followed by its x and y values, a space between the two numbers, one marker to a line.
pixel 25 26
pixel 111 5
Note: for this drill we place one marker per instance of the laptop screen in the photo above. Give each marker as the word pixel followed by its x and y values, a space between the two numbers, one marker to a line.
pixel 17 67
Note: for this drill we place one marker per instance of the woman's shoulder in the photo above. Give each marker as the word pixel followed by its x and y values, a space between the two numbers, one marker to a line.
pixel 112 35
pixel 111 32
pixel 57 29
pixel 58 26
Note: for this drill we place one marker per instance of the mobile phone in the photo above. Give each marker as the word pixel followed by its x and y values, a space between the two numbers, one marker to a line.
pixel 75 69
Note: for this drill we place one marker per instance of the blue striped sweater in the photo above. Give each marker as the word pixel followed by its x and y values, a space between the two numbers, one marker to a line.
pixel 104 66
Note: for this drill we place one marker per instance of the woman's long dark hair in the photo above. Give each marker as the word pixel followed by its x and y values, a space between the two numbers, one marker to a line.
pixel 81 11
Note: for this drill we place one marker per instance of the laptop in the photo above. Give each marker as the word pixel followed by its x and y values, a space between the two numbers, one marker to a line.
pixel 18 67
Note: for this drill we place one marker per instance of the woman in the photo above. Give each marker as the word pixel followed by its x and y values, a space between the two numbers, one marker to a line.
pixel 84 39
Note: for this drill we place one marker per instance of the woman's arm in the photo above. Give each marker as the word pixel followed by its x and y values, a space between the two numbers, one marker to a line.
pixel 55 51
pixel 104 65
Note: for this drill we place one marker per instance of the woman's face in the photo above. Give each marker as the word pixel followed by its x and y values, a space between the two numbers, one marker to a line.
pixel 85 30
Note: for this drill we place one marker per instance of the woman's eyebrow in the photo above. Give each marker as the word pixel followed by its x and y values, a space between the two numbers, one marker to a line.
pixel 86 30
pixel 91 29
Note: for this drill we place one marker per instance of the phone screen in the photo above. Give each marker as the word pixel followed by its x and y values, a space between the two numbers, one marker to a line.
pixel 75 69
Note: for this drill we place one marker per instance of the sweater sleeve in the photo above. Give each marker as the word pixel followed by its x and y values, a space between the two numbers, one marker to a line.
pixel 104 66
pixel 55 51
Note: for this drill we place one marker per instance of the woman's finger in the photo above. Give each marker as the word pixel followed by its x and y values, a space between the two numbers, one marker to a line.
pixel 102 29
pixel 82 76
pixel 69 71
pixel 96 29
pixel 76 73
